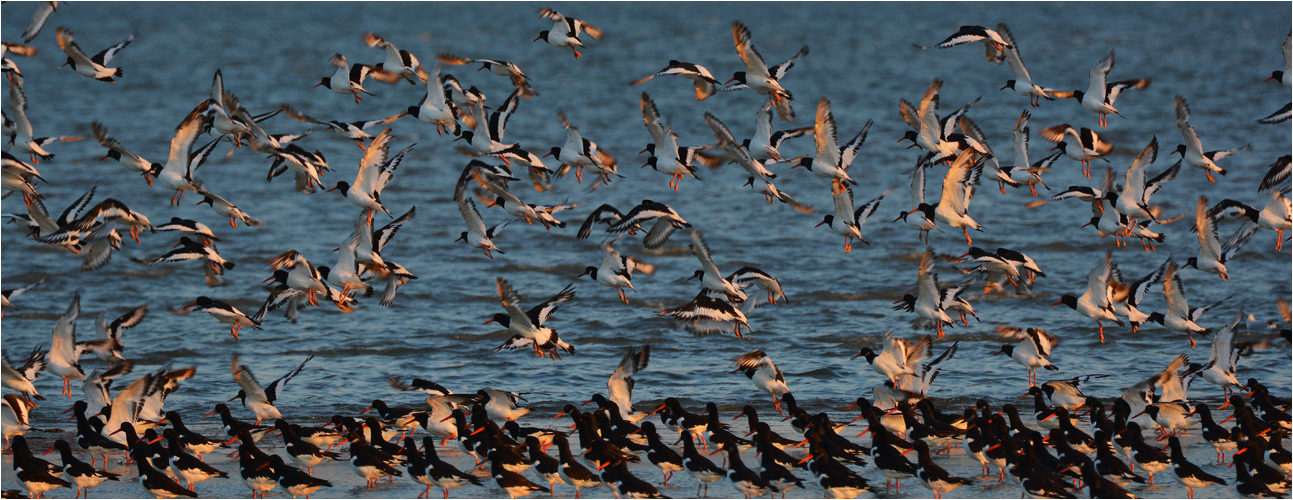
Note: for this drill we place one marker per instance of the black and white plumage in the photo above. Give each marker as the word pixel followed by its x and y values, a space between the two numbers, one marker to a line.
pixel 616 271
pixel 1086 146
pixel 225 313
pixel 79 473
pixel 971 34
pixel 709 275
pixel 1023 82
pixel 706 309
pixel 847 220
pixel 348 79
pixel 1222 358
pixel 1096 301
pixel 1192 152
pixel 22 378
pixel 832 160
pixel 399 64
pixel 477 234
pixel 1178 315
pixel 107 345
pixel 760 178
pixel 435 107
pixel 620 385
pixel 934 477
pixel 1022 172
pixel 183 162
pixel 1279 116
pixel 1133 202
pixel 94 67
pixel 1189 475
pixel 578 152
pixel 1126 297
pixel 666 220
pixel 565 31
pixel 260 400
pixel 500 68
pixel 958 189
pixel 751 276
pixel 155 481
pixel 376 170
pixel 1213 254
pixel 130 161
pixel 1101 93
pixel 20 131
pixel 224 208
pixel 1034 347
pixel 759 368
pixel 530 324
pixel 705 83
pixel 758 76
pixel 765 143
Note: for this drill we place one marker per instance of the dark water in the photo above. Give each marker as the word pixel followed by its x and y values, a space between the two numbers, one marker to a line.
pixel 1216 55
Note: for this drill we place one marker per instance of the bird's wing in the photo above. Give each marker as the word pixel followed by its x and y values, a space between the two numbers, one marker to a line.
pixel 545 309
pixel 44 9
pixel 1012 56
pixel 1173 293
pixel 69 46
pixel 918 186
pixel 701 251
pixel 383 235
pixel 864 212
pixel 828 146
pixel 475 224
pixel 850 150
pixel 104 57
pixel 372 161
pixel 1206 230
pixel 1097 286
pixel 243 376
pixel 498 119
pixel 1098 76
pixel 1020 141
pixel 754 65
pixel 651 117
pixel 275 388
pixel 779 71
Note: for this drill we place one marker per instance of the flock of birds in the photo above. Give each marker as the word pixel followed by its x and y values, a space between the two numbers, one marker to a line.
pixel 1053 462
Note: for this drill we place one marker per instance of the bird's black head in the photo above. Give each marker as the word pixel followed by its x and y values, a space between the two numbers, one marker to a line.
pixel 1009 84
pixel 462 236
pixel 1156 317
pixel 542 35
pixel 112 153
pixel 909 135
pixel 1078 95
pixel 241 396
pixel 1192 262
pixel 650 149
pixel 1062 146
pixel 906 303
pixel 902 216
pixel 651 161
pixel 156 169
pixel 589 271
pixel 502 319
pixel 807 163
pixel 867 353
pixel 1180 150
pixel 738 77
pixel 414 110
pixel 207 200
pixel 698 275
pixel 324 271
pixel 466 135
pixel 1095 221
pixel 554 152
pixel 341 186
pixel 1067 300
pixel 325 82
pixel 828 220
pixel 1006 349
pixel 69 62
pixel 1275 75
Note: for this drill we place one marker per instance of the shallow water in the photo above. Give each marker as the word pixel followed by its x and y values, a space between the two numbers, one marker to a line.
pixel 1216 55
